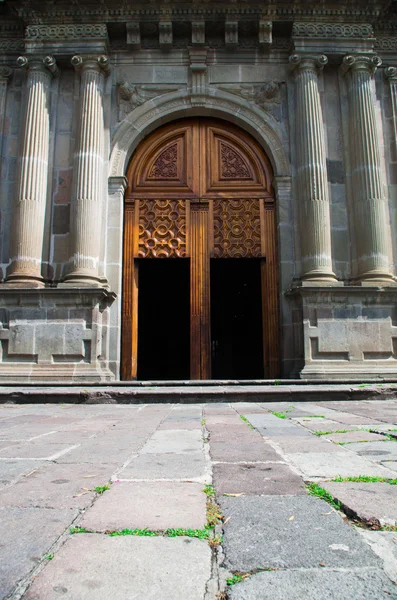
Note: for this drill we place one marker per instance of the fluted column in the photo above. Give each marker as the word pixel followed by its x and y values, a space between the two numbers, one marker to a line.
pixel 5 74
pixel 391 75
pixel 88 188
pixel 370 209
pixel 29 213
pixel 311 170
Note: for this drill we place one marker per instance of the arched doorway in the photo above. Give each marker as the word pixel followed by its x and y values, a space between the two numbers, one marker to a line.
pixel 200 267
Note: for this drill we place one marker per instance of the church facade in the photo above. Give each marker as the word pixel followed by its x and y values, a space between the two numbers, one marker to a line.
pixel 198 191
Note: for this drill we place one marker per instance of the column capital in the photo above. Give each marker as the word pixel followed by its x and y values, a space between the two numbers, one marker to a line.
pixel 5 73
pixel 91 62
pixel 360 62
pixel 45 65
pixel 391 73
pixel 299 62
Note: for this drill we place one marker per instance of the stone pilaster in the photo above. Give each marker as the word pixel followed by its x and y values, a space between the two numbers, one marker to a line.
pixel 5 74
pixel 29 215
pixel 88 187
pixel 312 186
pixel 391 75
pixel 370 209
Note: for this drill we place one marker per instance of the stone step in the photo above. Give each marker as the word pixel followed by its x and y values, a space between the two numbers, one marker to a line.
pixel 194 391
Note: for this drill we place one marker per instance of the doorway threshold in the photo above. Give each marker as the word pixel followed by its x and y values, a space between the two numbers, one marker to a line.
pixel 189 392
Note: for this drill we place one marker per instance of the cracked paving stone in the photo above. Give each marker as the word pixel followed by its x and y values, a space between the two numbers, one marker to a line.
pixel 332 464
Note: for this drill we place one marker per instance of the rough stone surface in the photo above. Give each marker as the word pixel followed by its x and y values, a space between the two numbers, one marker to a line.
pixel 355 436
pixel 25 536
pixel 367 501
pixel 168 441
pixel 152 505
pixel 256 479
pixel 346 464
pixel 126 567
pixel 165 466
pixel 376 451
pixel 292 532
pixel 311 584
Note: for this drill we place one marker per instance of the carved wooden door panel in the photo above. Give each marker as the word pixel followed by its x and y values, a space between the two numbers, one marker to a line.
pixel 199 189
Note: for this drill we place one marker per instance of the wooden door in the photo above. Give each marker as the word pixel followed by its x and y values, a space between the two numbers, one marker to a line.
pixel 199 189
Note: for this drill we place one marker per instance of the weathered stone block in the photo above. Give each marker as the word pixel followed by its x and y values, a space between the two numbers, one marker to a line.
pixel 349 332
pixel 54 334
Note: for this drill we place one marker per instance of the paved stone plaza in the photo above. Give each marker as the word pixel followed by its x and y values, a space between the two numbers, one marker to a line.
pixel 72 476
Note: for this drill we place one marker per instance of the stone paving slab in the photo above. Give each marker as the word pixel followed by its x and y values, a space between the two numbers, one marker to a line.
pixel 315 584
pixel 376 451
pixel 181 441
pixel 304 444
pixel 234 451
pixel 271 432
pixel 332 464
pixel 256 479
pixel 367 501
pixel 384 544
pixel 36 450
pixel 262 421
pixel 324 425
pixel 57 486
pixel 155 505
pixel 294 532
pixel 166 466
pixel 26 534
pixel 133 568
pixel 11 470
pixel 390 464
pixel 355 436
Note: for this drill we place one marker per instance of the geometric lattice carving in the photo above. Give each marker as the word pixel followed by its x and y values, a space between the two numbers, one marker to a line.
pixel 165 165
pixel 232 164
pixel 162 229
pixel 237 229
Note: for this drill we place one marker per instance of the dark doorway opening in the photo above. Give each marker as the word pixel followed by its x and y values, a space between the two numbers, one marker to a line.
pixel 236 319
pixel 163 319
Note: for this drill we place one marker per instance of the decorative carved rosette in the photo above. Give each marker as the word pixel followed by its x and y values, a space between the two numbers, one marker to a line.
pixel 162 229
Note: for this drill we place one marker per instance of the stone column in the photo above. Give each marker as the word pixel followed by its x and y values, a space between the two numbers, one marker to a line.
pixel 370 209
pixel 5 74
pixel 29 215
pixel 391 75
pixel 88 187
pixel 311 172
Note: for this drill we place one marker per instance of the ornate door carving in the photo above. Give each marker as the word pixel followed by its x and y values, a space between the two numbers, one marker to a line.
pixel 201 189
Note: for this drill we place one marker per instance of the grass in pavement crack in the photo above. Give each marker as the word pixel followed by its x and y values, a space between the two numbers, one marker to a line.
pixel 365 479
pixel 246 421
pixel 209 491
pixel 100 489
pixel 316 490
pixel 239 576
pixel 333 432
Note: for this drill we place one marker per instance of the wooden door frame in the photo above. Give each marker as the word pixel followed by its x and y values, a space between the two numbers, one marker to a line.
pixel 198 193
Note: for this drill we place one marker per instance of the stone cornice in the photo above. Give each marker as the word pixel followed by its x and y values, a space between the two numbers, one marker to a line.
pixel 38 11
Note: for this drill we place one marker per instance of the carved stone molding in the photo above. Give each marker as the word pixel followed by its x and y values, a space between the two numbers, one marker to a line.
pixel 11 46
pixel 332 30
pixel 215 103
pixel 67 38
pixel 65 32
pixel 130 96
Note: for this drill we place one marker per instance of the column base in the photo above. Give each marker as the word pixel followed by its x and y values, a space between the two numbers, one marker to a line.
pixel 80 280
pixel 23 281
